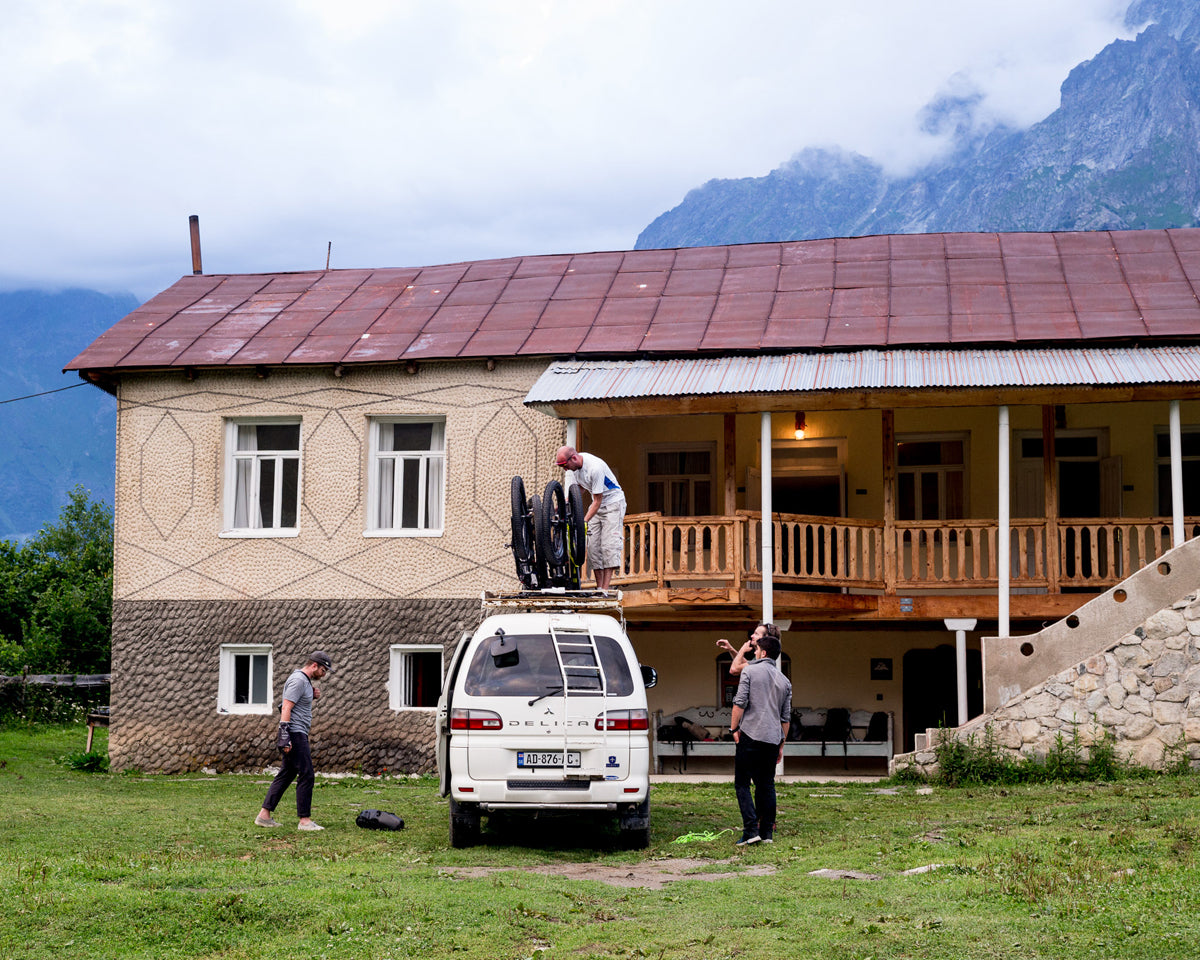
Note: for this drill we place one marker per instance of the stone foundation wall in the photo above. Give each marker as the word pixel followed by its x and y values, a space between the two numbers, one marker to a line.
pixel 166 666
pixel 1144 690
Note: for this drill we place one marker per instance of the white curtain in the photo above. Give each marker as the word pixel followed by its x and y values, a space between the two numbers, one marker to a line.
pixel 387 475
pixel 433 478
pixel 246 511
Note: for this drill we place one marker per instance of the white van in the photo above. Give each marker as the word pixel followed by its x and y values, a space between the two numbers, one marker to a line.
pixel 544 708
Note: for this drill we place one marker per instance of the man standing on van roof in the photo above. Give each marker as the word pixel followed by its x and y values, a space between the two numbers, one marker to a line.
pixel 605 516
pixel 762 712
pixel 295 719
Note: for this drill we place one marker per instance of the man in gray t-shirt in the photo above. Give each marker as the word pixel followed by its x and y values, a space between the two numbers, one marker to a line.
pixel 762 713
pixel 295 719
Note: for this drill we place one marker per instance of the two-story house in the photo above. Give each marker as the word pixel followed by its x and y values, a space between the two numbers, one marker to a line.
pixel 949 436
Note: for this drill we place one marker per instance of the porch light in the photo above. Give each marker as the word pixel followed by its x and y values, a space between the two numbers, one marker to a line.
pixel 799 426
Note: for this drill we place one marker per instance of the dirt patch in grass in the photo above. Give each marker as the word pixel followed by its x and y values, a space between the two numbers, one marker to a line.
pixel 651 875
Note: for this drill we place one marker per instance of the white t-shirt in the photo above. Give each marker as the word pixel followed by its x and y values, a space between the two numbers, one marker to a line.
pixel 596 477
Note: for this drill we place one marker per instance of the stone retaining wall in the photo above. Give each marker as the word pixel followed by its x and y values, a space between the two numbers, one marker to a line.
pixel 166 665
pixel 1144 690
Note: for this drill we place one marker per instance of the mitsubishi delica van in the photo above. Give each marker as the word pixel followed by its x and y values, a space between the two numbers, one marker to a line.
pixel 544 709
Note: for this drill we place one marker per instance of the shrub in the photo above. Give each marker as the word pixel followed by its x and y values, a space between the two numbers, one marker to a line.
pixel 969 761
pixel 91 762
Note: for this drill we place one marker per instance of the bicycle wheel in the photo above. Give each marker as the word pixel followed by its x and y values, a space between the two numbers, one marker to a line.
pixel 539 558
pixel 576 527
pixel 552 537
pixel 522 535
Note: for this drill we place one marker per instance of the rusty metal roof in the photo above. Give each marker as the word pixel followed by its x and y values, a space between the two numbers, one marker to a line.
pixel 588 380
pixel 841 294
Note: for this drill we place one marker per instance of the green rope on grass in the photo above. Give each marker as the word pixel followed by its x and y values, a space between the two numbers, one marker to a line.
pixel 701 836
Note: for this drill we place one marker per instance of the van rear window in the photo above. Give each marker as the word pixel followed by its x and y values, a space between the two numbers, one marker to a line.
pixel 534 671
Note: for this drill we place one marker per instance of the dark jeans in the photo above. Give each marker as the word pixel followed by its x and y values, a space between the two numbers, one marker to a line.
pixel 754 762
pixel 297 763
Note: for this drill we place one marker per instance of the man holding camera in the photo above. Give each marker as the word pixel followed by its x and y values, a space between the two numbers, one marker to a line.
pixel 762 713
pixel 295 719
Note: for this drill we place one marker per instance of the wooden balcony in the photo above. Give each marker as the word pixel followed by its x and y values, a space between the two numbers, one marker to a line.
pixel 860 569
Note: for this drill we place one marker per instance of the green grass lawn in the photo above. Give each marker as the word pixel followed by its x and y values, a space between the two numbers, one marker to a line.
pixel 129 865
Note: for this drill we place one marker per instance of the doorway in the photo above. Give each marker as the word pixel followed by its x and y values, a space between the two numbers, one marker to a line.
pixel 931 689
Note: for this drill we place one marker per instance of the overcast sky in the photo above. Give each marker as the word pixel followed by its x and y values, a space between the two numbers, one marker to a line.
pixel 413 133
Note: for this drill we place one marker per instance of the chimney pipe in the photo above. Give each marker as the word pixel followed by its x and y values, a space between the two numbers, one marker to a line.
pixel 194 224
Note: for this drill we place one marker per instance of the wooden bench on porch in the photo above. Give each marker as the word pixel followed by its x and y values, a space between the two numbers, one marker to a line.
pixel 704 732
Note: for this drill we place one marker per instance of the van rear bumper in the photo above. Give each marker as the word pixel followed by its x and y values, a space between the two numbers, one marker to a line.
pixel 607 807
pixel 581 795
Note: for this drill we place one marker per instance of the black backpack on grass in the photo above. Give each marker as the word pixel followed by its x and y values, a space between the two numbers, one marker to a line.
pixel 379 820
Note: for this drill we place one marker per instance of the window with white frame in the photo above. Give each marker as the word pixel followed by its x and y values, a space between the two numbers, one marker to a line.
pixel 679 478
pixel 931 477
pixel 245 681
pixel 407 479
pixel 1190 457
pixel 262 477
pixel 415 675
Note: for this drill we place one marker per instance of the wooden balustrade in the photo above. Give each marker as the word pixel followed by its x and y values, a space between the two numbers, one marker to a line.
pixel 965 553
pixel 726 551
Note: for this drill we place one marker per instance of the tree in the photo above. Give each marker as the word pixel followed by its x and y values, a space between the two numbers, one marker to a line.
pixel 56 593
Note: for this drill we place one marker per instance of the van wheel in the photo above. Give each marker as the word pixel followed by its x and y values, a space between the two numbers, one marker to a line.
pixel 464 824
pixel 635 827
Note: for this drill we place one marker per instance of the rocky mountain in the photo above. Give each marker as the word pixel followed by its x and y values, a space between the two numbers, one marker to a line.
pixel 50 443
pixel 1122 151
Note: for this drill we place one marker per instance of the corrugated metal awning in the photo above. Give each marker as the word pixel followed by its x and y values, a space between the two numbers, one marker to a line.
pixel 567 384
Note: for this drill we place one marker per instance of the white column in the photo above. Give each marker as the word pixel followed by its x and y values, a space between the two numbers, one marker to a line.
pixel 1176 477
pixel 768 528
pixel 569 440
pixel 960 628
pixel 1004 543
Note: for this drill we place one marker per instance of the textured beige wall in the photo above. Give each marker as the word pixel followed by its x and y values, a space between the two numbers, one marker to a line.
pixel 170 477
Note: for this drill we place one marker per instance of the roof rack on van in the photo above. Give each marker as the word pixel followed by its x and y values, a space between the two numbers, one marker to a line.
pixel 553 599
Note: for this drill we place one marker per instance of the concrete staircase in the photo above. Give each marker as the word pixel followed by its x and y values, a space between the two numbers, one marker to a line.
pixel 1126 661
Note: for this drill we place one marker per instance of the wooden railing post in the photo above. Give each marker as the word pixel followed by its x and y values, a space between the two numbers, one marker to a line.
pixel 660 551
pixel 737 534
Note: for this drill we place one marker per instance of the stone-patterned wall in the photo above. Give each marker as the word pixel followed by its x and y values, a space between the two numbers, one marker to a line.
pixel 171 483
pixel 166 664
pixel 1144 690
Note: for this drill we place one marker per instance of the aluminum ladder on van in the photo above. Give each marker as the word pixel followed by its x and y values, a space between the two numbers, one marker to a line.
pixel 583 673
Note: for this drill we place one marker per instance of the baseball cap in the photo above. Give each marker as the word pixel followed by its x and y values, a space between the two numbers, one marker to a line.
pixel 321 659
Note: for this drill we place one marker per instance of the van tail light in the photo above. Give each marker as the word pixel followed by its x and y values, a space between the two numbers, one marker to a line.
pixel 464 719
pixel 624 720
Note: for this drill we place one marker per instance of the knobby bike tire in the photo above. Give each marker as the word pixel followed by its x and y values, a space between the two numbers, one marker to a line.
pixel 552 538
pixel 522 536
pixel 539 560
pixel 576 535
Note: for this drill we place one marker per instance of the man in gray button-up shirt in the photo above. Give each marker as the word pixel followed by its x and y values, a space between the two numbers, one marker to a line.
pixel 762 711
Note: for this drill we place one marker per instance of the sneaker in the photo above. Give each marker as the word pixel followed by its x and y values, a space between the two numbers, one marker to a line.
pixel 748 838
pixel 268 821
pixel 766 838
pixel 309 825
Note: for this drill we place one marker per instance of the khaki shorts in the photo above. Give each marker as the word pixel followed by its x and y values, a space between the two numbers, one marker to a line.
pixel 606 535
